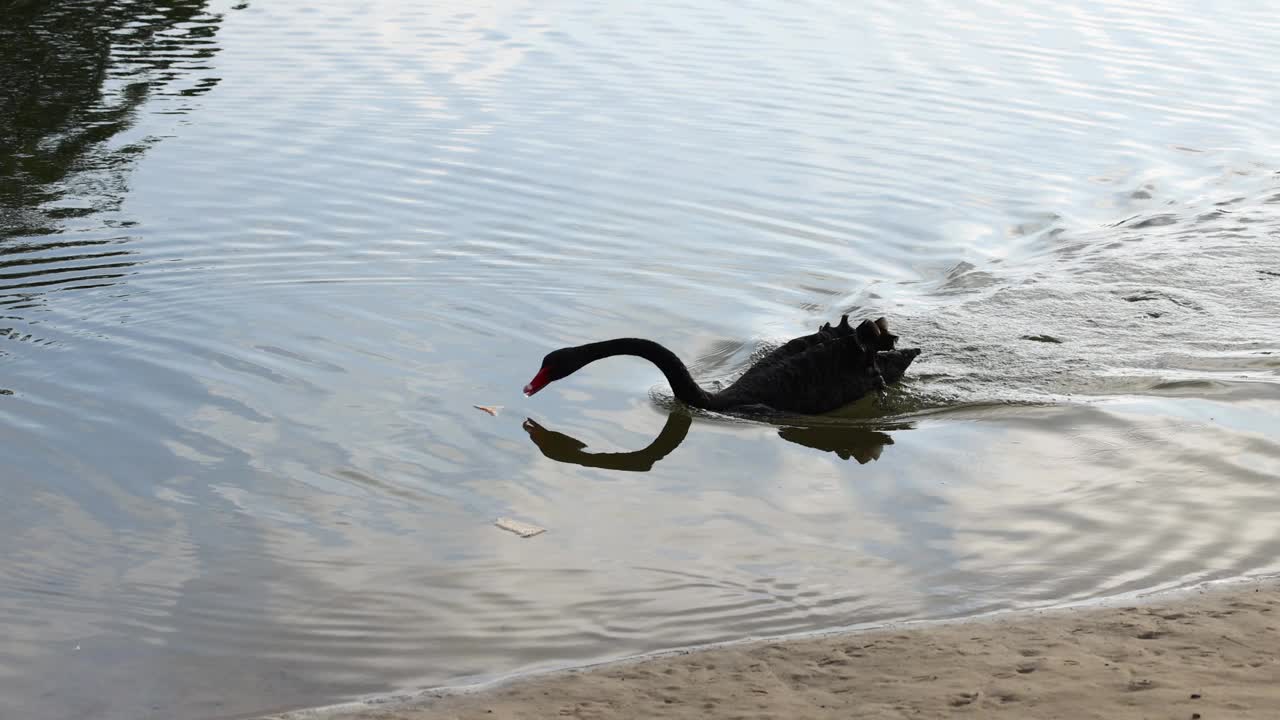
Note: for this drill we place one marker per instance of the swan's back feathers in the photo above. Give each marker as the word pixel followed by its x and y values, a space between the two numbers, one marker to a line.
pixel 823 371
pixel 870 334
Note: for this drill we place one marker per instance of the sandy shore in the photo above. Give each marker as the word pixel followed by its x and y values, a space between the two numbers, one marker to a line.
pixel 1208 653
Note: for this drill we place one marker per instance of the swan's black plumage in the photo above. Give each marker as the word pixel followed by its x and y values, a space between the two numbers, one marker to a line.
pixel 809 375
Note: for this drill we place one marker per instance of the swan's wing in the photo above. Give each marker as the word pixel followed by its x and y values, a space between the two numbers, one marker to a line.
pixel 868 334
pixel 824 376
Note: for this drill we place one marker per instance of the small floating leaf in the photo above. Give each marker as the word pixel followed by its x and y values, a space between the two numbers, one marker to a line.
pixel 524 530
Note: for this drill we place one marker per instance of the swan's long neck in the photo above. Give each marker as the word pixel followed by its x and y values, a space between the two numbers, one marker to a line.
pixel 682 383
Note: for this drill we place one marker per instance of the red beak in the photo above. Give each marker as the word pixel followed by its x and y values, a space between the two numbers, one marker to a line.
pixel 538 382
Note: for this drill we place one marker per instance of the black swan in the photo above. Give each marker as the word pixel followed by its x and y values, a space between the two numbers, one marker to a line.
pixel 809 375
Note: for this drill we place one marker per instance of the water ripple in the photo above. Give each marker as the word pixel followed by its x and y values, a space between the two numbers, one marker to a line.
pixel 259 262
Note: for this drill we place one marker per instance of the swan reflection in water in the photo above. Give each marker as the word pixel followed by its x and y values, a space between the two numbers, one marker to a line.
pixel 845 440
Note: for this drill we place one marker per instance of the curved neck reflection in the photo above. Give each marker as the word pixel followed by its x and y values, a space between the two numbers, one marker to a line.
pixel 563 448
pixel 847 441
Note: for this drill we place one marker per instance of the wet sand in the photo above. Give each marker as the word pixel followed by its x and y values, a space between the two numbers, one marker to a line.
pixel 1211 652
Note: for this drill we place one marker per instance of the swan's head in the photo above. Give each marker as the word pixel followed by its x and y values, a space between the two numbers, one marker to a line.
pixel 556 365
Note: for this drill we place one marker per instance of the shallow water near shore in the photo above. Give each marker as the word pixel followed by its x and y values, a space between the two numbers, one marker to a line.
pixel 259 263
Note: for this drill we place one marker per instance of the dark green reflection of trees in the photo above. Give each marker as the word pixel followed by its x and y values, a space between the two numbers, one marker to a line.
pixel 74 76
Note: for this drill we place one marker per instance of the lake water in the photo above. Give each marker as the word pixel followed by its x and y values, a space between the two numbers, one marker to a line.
pixel 259 261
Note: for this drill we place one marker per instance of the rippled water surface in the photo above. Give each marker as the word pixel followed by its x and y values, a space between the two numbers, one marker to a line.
pixel 258 262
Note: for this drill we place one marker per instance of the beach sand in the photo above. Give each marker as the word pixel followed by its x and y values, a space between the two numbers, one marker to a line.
pixel 1207 653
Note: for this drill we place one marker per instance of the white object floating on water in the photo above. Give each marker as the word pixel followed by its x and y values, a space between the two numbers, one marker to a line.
pixel 524 530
